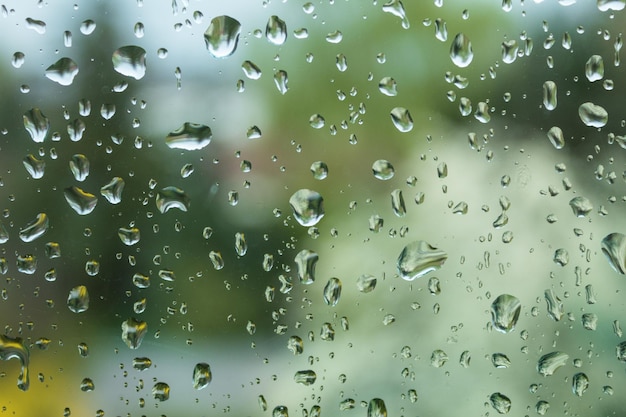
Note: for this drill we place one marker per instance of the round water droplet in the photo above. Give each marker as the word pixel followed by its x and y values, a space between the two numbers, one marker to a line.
pixel 222 35
pixel 133 332
pixel 505 311
pixel 63 71
pixel 202 375
pixel 130 61
pixel 614 248
pixel 276 30
pixel 593 115
pixel 334 37
pixel 172 197
pixel 500 402
pixel 317 121
pixel 419 258
pixel 500 360
pixel 307 206
pixel 78 299
pixel 161 391
pixel 402 119
pixel 281 79
pixel 189 137
pixel 461 51
pixel 383 170
pixel 319 170
pixel 550 362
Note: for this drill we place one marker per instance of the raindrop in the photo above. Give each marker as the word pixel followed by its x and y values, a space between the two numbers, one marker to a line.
pixel 500 360
pixel 383 170
pixel 130 61
pixel 366 283
pixel 549 95
pixel 388 86
pixel 38 26
pixel 593 115
pixel 334 37
pixel 306 260
pixel 189 137
pixel 341 62
pixel 81 201
pixel 561 257
pixel 36 124
pixel 254 132
pixel 130 236
pixel 555 306
pixel 113 190
pixel 241 247
pixel 542 407
pixel 276 30
pixel 280 411
pixel 402 119
pixel 319 170
pixel 161 391
pixel 78 299
pixel 555 134
pixel 87 27
pixel 438 358
pixel 580 383
pixel 482 112
pixel 87 385
pixel 63 71
pixel 167 275
pixel 251 70
pixel 222 35
pixel 141 281
pixel 79 165
pixel 441 30
pixel 332 291
pixel 107 111
pixel 396 8
pixel 14 348
pixel 509 51
pixel 281 79
pixel 594 68
pixel 307 377
pixel 590 321
pixel 606 5
pixel 397 203
pixel 419 258
pixel 133 332
pixel 307 206
pixel 317 121
pixel 141 364
pixel 202 375
pixel 35 228
pixel 461 51
pixel 295 345
pixel 18 59
pixel 376 408
pixel 581 206
pixel 505 311
pixel 500 402
pixel 216 260
pixel 614 248
pixel 26 264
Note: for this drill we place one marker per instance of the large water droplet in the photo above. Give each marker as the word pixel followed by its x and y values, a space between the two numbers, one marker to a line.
pixel 172 197
pixel 500 402
pixel 614 248
pixel 295 345
pixel 397 203
pixel 461 51
pixel 161 391
pixel 581 206
pixel 594 68
pixel 14 348
pixel 281 79
pixel 593 115
pixel 396 8
pixel 133 332
pixel 402 119
pixel 35 228
pixel 505 311
pixel 113 190
pixel 280 411
pixel 202 375
pixel 383 170
pixel 332 291
pixel 36 168
pixel 306 261
pixel 554 304
pixel 276 30
pixel 555 134
pixel 78 299
pixel 81 201
pixel 36 124
pixel 141 364
pixel 63 71
pixel 79 165
pixel 366 283
pixel 419 258
pixel 376 408
pixel 222 35
pixel 190 137
pixel 306 377
pixel 580 383
pixel 251 70
pixel 319 170
pixel 606 5
pixel 130 236
pixel 549 95
pixel 130 61
pixel 307 206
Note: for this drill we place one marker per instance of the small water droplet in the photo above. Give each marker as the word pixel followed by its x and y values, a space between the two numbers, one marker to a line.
pixel 341 62
pixel 189 137
pixel 295 345
pixel 461 51
pixel 419 258
pixel 26 264
pixel 397 203
pixel 509 51
pixel 216 260
pixel 500 360
pixel 276 30
pixel 130 61
pixel 130 236
pixel 222 35
pixel 202 375
pixel 505 311
pixel 402 119
pixel 334 37
pixel 141 364
pixel 172 197
pixel 241 247
pixel 18 59
pixel 78 299
pixel 63 71
pixel 606 5
pixel 366 283
pixel 133 332
pixel 593 115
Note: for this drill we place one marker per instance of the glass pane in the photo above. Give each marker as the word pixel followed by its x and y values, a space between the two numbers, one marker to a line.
pixel 294 208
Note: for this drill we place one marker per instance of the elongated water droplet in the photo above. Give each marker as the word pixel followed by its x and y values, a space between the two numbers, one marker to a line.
pixel 202 375
pixel 388 86
pixel 216 260
pixel 542 407
pixel 306 261
pixel 130 61
pixel 555 306
pixel 580 383
pixel 63 71
pixel 133 332
pixel 35 228
pixel 141 364
pixel 172 197
pixel 36 124
pixel 78 299
pixel 280 411
pixel 419 258
pixel 281 79
pixel 251 70
pixel 461 51
pixel 402 119
pixel 614 248
pixel 606 5
pixel 376 408
pixel 38 26
pixel 594 68
pixel 561 257
pixel 189 137
pixel 500 402
pixel 79 165
pixel 509 51
pixel 397 203
pixel 222 35
pixel 396 8
pixel 555 134
pixel 332 291
pixel 307 206
pixel 505 311
pixel 593 115
pixel 276 30
pixel 383 170
pixel 241 247
pixel 81 201
pixel 113 190
pixel 307 377
pixel 14 348
pixel 581 206
pixel 549 95
pixel 35 167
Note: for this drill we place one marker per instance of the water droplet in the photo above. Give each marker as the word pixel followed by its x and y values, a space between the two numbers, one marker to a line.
pixel 396 8
pixel 280 411
pixel 306 261
pixel 461 51
pixel 172 197
pixel 509 51
pixel 441 30
pixel 35 228
pixel 606 5
pixel 141 281
pixel 251 70
pixel 141 364
pixel 555 306
pixel 79 165
pixel 593 115
pixel 580 383
pixel 241 247
pixel 307 377
pixel 388 86
pixel 202 375
pixel 189 137
pixel 500 360
pixel 402 119
pixel 78 299
pixel 419 258
pixel 307 206
pixel 505 311
pixel 561 257
pixel 113 190
pixel 397 203
pixel 14 348
pixel 594 68
pixel 83 350
pixel 130 61
pixel 216 260
pixel 438 358
pixel 366 283
pixel 549 95
pixel 38 26
pixel 332 291
pixel 334 37
pixel 581 206
pixel 341 62
pixel 319 170
pixel 542 407
pixel 376 408
pixel 133 332
pixel 482 112
pixel 295 345
pixel 87 385
pixel 383 170
pixel 161 391
pixel 590 321
pixel 130 236
pixel 222 35
pixel 63 71
pixel 555 134
pixel 317 121
pixel 35 167
pixel 26 264
pixel 107 110
pixel 87 27
pixel 81 201
pixel 36 124
pixel 281 79
pixel 500 402
pixel 276 30
pixel 75 130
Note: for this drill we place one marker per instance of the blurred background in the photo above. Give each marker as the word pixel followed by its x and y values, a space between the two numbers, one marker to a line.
pixel 202 252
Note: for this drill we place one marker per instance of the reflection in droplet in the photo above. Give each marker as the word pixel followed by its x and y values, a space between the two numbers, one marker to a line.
pixel 581 206
pixel 202 375
pixel 307 206
pixel 276 30
pixel 36 124
pixel 580 383
pixel 222 35
pixel 549 95
pixel 396 8
pixel 133 332
pixel 113 190
pixel 161 391
pixel 419 258
pixel 461 51
pixel 281 79
pixel 78 299
pixel 14 348
pixel 81 201
pixel 555 134
pixel 189 137
pixel 306 377
pixel 505 311
pixel 251 70
pixel 35 228
pixel 63 71
pixel 172 197
pixel 130 61
pixel 402 119
pixel 383 170
pixel 332 291
pixel 306 260
pixel 130 236
pixel 35 167
pixel 594 68
pixel 593 115
pixel 614 248
pixel 79 165
pixel 500 402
